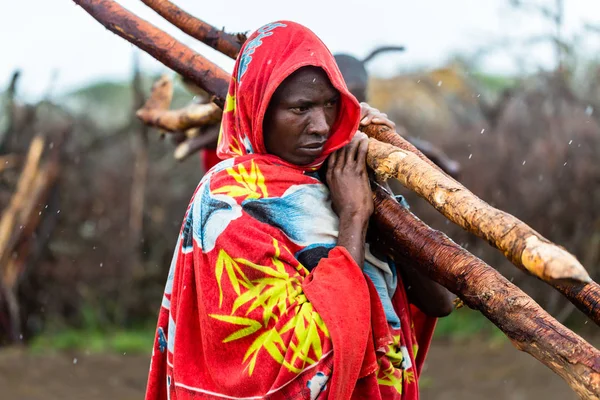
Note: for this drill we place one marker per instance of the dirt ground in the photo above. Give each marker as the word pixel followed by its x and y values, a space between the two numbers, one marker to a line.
pixel 471 370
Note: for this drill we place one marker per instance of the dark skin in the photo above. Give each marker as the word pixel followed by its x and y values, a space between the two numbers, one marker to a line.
pixel 297 124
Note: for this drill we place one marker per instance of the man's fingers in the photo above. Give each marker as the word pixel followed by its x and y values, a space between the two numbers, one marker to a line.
pixel 384 121
pixel 361 156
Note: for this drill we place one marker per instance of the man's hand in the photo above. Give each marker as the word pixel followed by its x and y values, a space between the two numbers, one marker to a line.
pixel 370 115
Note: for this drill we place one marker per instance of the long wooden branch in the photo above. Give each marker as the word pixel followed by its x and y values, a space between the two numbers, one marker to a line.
pixel 526 248
pixel 217 39
pixel 159 45
pixel 529 327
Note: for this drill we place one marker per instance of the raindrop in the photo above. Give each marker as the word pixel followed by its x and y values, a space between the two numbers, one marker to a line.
pixel 540 178
pixel 46 206
pixel 58 212
pixel 570 141
pixel 439 83
pixel 268 62
pixel 589 110
pixel 483 130
pixel 21 337
pixel 74 361
pixel 524 161
pixel 419 81
pixel 564 164
pixel 51 145
pixel 478 94
pixel 470 155
pixel 125 353
pixel 40 213
pixel 101 264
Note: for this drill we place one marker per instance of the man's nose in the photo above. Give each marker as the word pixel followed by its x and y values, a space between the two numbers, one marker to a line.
pixel 318 123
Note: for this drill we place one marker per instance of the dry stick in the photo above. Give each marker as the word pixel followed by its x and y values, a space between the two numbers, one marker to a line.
pixel 529 327
pixel 526 248
pixel 192 145
pixel 159 45
pixel 18 221
pixel 140 168
pixel 10 216
pixel 217 39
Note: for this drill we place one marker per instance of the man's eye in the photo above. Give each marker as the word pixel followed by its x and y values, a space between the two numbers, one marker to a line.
pixel 331 103
pixel 299 110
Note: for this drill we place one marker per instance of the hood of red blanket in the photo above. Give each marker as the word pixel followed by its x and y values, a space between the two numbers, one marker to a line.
pixel 268 57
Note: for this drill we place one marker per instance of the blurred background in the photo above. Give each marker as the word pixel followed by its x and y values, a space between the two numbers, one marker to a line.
pixel 92 200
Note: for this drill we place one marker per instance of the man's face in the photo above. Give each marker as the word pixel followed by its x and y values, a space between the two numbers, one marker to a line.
pixel 300 116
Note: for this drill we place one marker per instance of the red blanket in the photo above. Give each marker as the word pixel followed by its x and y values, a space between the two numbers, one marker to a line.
pixel 260 302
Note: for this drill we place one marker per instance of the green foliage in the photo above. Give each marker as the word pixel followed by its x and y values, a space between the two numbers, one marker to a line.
pixel 465 323
pixel 96 341
pixel 95 334
pixel 494 83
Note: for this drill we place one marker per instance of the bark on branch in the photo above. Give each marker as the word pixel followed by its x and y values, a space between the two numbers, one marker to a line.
pixel 217 39
pixel 159 45
pixel 529 327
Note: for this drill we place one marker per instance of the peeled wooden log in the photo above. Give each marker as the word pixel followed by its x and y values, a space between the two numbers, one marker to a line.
pixel 194 115
pixel 159 45
pixel 526 248
pixel 529 327
pixel 217 39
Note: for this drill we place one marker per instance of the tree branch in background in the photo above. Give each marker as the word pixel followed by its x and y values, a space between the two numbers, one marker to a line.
pixel 140 171
pixel 194 144
pixel 9 110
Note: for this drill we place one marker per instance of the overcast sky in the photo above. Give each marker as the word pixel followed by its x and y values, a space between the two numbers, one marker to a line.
pixel 42 36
